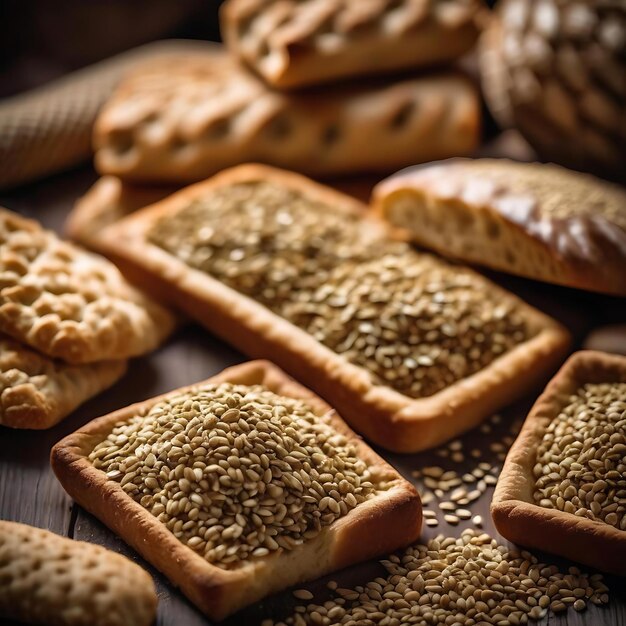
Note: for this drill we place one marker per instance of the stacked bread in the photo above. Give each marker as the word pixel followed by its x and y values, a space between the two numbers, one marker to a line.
pixel 331 89
pixel 68 324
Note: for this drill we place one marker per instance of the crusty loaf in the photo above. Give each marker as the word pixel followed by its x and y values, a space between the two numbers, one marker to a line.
pixel 181 120
pixel 48 579
pixel 110 199
pixel 296 43
pixel 388 519
pixel 70 304
pixel 420 350
pixel 37 391
pixel 535 220
pixel 516 514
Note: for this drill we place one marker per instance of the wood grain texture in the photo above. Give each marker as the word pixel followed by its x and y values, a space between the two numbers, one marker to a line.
pixel 29 492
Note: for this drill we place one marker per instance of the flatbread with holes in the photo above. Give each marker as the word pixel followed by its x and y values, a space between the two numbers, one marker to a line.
pixel 48 579
pixel 536 220
pixel 182 119
pixel 70 304
pixel 37 391
pixel 296 43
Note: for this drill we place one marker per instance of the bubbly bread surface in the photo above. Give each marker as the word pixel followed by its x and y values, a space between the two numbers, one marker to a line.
pixel 48 579
pixel 68 303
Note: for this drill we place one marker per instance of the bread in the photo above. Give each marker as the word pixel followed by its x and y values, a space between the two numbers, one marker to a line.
pixel 69 304
pixel 516 514
pixel 388 519
pixel 555 72
pixel 47 579
pixel 534 220
pixel 110 199
pixel 306 42
pixel 107 201
pixel 315 242
pixel 183 119
pixel 38 392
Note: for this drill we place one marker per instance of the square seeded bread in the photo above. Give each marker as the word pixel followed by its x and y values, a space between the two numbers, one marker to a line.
pixel 70 304
pixel 298 43
pixel 48 579
pixel 537 220
pixel 182 119
pixel 390 518
pixel 38 392
pixel 515 512
pixel 453 385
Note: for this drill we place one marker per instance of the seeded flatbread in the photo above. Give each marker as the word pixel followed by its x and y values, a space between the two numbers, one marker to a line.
pixel 70 304
pixel 285 268
pixel 38 392
pixel 183 119
pixel 245 526
pixel 536 220
pixel 48 579
pixel 580 423
pixel 297 43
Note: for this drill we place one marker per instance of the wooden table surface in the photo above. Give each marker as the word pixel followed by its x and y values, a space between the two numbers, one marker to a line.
pixel 30 493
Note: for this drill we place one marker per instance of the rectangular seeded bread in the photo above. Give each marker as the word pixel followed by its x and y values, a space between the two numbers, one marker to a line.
pixel 37 391
pixel 515 512
pixel 110 199
pixel 70 304
pixel 390 518
pixel 458 344
pixel 536 220
pixel 295 43
pixel 48 579
pixel 183 119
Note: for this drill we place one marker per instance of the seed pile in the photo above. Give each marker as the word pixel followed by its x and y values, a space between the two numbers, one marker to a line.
pixel 453 490
pixel 236 472
pixel 412 321
pixel 464 581
pixel 581 462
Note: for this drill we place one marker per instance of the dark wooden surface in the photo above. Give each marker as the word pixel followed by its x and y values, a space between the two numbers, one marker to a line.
pixel 30 493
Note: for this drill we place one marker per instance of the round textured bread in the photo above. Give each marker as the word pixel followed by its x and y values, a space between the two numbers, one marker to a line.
pixel 554 69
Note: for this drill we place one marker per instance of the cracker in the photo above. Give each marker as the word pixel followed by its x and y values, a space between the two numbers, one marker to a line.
pixel 299 283
pixel 181 120
pixel 297 43
pixel 70 304
pixel 48 579
pixel 536 220
pixel 516 514
pixel 388 519
pixel 38 392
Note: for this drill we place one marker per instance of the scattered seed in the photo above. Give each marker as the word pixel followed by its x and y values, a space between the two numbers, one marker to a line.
pixel 303 594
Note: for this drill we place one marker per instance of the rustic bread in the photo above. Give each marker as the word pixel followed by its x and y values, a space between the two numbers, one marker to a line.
pixel 306 42
pixel 37 391
pixel 181 120
pixel 455 346
pixel 515 512
pixel 48 579
pixel 389 518
pixel 70 304
pixel 535 220
pixel 110 199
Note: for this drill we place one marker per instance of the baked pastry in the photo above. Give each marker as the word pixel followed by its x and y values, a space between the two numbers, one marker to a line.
pixel 48 579
pixel 70 304
pixel 183 119
pixel 110 199
pixel 243 485
pixel 535 220
pixel 306 42
pixel 562 485
pixel 38 392
pixel 555 71
pixel 411 350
